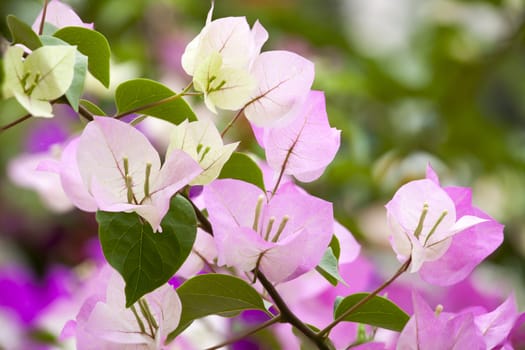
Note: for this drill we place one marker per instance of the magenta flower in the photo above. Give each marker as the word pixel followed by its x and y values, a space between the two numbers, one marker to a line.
pixel 283 236
pixel 423 219
pixel 469 329
pixel 113 167
pixel 304 147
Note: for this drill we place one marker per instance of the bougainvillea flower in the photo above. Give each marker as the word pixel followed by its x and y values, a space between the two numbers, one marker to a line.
pixel 120 171
pixel 283 237
pixel 423 220
pixel 304 147
pixel 202 141
pixel 60 15
pixel 468 329
pixel 426 330
pixel 41 77
pixel 467 248
pixel 283 80
pixel 104 322
pixel 219 59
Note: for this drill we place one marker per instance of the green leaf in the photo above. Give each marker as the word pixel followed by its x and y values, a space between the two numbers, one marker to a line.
pixel 77 85
pixel 22 33
pixel 92 44
pixel 137 93
pixel 336 247
pixel 241 167
pixel 146 260
pixel 329 268
pixel 378 312
pixel 211 294
pixel 91 107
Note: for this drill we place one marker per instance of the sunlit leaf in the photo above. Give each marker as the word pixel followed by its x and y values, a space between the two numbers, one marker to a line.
pixel 92 44
pixel 138 93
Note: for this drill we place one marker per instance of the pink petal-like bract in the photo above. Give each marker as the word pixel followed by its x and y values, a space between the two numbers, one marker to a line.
pixel 304 147
pixel 469 247
pixel 121 171
pixel 426 330
pixel 428 222
pixel 284 80
pixel 246 241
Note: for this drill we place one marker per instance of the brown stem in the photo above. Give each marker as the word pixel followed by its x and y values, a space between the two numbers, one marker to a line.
pixel 230 124
pixel 287 315
pixel 16 122
pixel 203 220
pixel 85 113
pixel 43 20
pixel 363 301
pixel 247 333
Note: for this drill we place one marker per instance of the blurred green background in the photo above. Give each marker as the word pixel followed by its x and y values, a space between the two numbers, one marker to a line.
pixel 407 82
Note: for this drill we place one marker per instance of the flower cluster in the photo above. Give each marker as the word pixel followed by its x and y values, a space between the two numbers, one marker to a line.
pixel 198 229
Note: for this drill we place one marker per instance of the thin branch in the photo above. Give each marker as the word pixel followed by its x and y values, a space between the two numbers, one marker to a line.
pixel 43 19
pixel 85 113
pixel 287 315
pixel 16 122
pixel 363 301
pixel 203 220
pixel 247 333
pixel 230 124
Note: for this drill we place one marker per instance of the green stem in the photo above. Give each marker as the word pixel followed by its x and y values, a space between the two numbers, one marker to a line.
pixel 324 332
pixel 247 333
pixel 14 123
